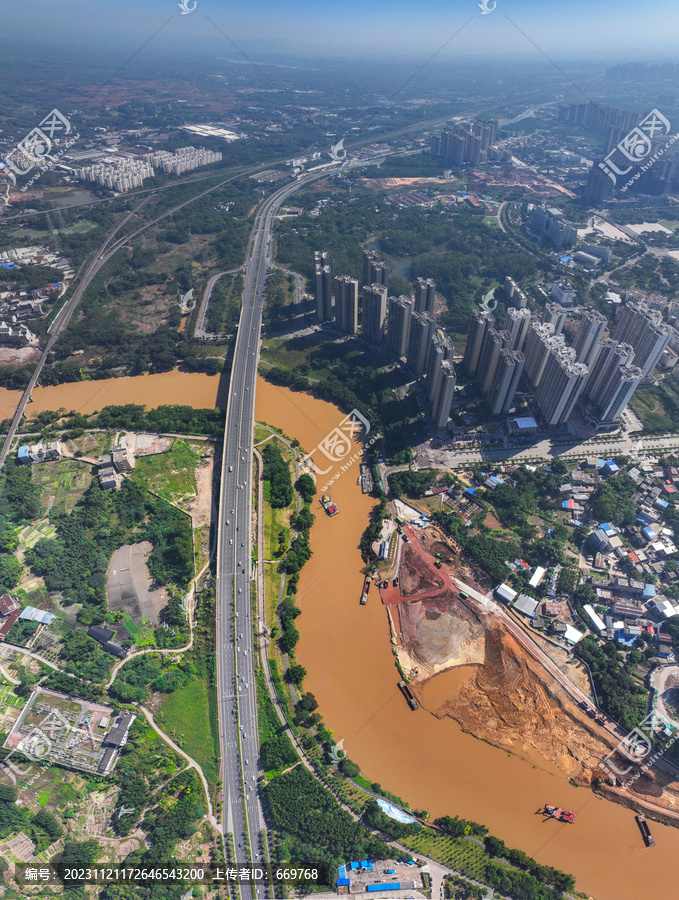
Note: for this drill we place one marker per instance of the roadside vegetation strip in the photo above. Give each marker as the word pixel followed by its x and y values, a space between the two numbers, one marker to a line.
pixel 192 762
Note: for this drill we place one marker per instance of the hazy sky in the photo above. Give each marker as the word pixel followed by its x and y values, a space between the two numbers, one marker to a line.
pixel 599 29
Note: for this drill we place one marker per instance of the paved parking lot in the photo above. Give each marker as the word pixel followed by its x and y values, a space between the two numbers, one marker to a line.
pixel 129 584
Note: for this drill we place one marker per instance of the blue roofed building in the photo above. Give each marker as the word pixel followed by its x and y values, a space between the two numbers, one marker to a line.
pixel 31 614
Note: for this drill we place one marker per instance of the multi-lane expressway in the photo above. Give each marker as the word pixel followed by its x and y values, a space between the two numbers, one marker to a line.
pixel 242 814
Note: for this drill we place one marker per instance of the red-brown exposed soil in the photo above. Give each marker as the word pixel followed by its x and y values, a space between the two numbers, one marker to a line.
pixel 508 698
pixel 417 575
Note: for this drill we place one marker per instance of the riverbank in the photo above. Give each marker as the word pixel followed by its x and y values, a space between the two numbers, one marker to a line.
pixel 176 387
pixel 432 763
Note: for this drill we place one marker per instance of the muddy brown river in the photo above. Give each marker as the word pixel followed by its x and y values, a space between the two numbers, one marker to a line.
pixel 346 650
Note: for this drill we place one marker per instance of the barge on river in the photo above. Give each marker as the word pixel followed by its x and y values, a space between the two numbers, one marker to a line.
pixel 560 814
pixel 407 693
pixel 329 506
pixel 366 588
pixel 645 831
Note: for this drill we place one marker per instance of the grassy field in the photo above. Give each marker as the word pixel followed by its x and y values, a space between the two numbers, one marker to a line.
pixel 651 405
pixel 171 475
pixel 277 521
pixel 92 443
pixel 181 715
pixel 62 483
pixel 31 534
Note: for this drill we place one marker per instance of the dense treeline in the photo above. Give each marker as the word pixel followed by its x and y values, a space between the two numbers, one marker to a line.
pixel 617 692
pixel 373 531
pixel 489 552
pixel 546 875
pixel 314 827
pixel 82 655
pixel 456 827
pixel 162 419
pixel 277 752
pixel 287 613
pixel 414 484
pixel 140 676
pixel 73 687
pixel 19 505
pixel 170 532
pixel 612 501
pixel 277 481
pixel 42 827
pixel 75 561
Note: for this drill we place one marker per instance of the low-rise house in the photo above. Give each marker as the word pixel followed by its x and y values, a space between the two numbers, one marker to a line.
pixel 525 605
pixel 38 453
pixel 505 593
pixel 123 459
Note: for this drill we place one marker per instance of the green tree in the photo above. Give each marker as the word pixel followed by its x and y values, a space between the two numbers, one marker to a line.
pixel 306 486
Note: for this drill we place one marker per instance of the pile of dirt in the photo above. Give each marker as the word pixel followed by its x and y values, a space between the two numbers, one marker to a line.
pixel 509 700
pixel 416 574
pixel 450 554
pixel 442 631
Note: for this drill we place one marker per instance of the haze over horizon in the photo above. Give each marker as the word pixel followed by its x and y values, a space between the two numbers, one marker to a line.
pixel 528 30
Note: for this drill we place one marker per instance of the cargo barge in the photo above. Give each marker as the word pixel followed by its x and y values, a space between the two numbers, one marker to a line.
pixel 645 831
pixel 407 693
pixel 560 814
pixel 329 506
pixel 366 588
